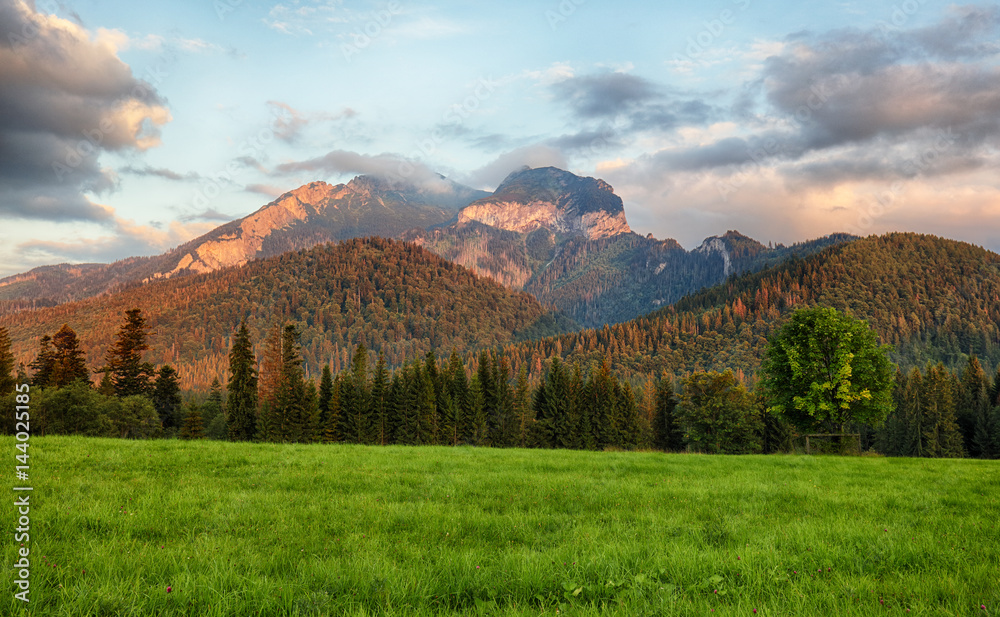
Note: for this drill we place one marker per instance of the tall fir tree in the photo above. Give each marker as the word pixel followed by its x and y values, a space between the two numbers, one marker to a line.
pixel 69 361
pixel 44 364
pixel 290 400
pixel 325 394
pixel 167 398
pixel 193 426
pixel 129 374
pixel 379 402
pixel 973 405
pixel 7 377
pixel 668 434
pixel 522 406
pixel 940 434
pixel 242 387
pixel 271 367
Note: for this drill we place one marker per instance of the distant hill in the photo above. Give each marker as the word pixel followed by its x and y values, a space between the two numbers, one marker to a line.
pixel 932 299
pixel 561 237
pixel 396 298
pixel 312 214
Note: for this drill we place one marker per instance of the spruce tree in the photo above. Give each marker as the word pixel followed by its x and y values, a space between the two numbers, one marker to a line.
pixel 973 404
pixel 522 406
pixel 129 374
pixel 193 426
pixel 940 435
pixel 271 367
pixel 167 397
pixel 242 387
pixel 379 403
pixel 331 433
pixel 213 413
pixel 7 378
pixel 69 363
pixel 290 400
pixel 325 394
pixel 44 364
pixel 668 434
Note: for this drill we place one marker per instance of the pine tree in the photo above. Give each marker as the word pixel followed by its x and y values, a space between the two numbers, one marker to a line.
pixel 271 367
pixel 242 387
pixel 69 360
pixel 941 436
pixel 522 406
pixel 668 434
pixel 44 364
pixel 505 404
pixel 379 402
pixel 474 422
pixel 129 374
pixel 7 378
pixel 193 427
pixel 290 405
pixel 331 433
pixel 311 431
pixel 213 413
pixel 325 394
pixel 973 404
pixel 167 397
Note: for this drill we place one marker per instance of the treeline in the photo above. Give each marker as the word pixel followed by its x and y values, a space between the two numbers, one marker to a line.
pixel 396 298
pixel 944 313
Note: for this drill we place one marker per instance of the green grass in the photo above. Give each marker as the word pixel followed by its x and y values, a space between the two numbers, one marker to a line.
pixel 238 529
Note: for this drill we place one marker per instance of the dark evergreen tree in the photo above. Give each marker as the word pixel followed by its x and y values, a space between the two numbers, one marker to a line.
pixel 474 421
pixel 331 432
pixel 44 364
pixel 973 405
pixel 167 398
pixel 522 406
pixel 379 403
pixel 271 367
pixel 290 406
pixel 940 435
pixel 7 378
pixel 668 434
pixel 69 361
pixel 242 387
pixel 213 413
pixel 129 374
pixel 719 415
pixel 325 394
pixel 193 426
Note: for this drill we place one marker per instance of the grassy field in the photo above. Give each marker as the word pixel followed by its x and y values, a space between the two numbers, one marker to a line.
pixel 237 529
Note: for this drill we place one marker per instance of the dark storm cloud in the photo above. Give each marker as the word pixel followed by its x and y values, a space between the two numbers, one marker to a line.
pixel 64 99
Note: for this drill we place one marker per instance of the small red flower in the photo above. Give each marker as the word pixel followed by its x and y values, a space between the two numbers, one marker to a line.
pixel 169 588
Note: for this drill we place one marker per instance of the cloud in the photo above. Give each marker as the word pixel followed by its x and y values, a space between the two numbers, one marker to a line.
pixel 490 175
pixel 290 123
pixel 65 98
pixel 160 172
pixel 388 166
pixel 267 190
pixel 126 238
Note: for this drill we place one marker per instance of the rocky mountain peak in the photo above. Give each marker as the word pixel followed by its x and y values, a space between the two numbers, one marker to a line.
pixel 548 197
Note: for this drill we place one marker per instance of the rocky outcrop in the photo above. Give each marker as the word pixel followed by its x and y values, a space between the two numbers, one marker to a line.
pixel 244 240
pixel 716 245
pixel 554 199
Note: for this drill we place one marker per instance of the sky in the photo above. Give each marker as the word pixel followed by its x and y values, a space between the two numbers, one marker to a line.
pixel 129 128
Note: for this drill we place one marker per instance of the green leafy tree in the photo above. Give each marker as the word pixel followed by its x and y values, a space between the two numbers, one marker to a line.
pixel 167 397
pixel 824 369
pixel 719 415
pixel 242 387
pixel 130 376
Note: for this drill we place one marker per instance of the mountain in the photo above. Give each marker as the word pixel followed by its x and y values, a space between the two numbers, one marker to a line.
pixel 558 236
pixel 396 298
pixel 312 214
pixel 553 199
pixel 931 299
pixel 565 240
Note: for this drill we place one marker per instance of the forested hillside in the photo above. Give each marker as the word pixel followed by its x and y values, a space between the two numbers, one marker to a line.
pixel 931 299
pixel 393 297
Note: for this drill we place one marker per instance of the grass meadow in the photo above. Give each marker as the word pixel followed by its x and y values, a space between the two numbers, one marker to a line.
pixel 264 529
